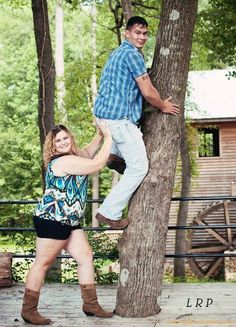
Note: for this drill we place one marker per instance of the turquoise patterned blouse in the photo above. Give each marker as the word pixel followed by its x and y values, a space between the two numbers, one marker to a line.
pixel 64 199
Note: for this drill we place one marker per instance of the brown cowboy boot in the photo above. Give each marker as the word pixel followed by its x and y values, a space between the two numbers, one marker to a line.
pixel 29 309
pixel 117 163
pixel 114 224
pixel 91 307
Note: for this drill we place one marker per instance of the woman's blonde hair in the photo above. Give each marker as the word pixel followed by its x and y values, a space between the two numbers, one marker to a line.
pixel 49 150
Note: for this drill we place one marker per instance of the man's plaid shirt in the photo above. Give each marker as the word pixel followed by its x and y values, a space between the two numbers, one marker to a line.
pixel 119 96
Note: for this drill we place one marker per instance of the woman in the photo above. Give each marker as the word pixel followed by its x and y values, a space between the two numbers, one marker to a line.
pixel 57 217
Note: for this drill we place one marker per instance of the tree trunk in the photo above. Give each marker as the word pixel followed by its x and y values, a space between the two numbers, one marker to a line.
pixel 142 246
pixel 117 17
pixel 127 9
pixel 46 67
pixel 180 241
pixel 59 57
pixel 95 177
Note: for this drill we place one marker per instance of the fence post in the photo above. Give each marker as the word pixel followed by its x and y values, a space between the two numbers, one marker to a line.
pixel 5 269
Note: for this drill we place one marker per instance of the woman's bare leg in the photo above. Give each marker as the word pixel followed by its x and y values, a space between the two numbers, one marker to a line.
pixel 79 248
pixel 46 251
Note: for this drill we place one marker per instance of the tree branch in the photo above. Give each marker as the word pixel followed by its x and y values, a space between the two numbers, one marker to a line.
pixel 118 20
pixel 138 4
pixel 112 29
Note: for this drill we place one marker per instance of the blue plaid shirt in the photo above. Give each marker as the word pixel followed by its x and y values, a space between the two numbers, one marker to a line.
pixel 119 96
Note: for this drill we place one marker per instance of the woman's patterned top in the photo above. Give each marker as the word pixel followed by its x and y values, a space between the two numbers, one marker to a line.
pixel 64 199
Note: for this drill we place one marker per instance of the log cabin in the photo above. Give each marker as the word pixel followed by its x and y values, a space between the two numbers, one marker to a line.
pixel 214 152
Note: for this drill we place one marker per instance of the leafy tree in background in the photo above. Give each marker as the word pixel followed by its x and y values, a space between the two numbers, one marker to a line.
pixel 20 146
pixel 20 153
pixel 213 47
pixel 214 39
pixel 214 36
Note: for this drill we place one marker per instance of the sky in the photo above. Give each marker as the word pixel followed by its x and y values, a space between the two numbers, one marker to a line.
pixel 214 93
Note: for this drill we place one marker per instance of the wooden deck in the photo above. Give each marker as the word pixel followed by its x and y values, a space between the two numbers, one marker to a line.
pixel 62 303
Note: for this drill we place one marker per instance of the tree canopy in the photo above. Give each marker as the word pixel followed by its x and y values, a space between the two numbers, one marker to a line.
pixel 213 47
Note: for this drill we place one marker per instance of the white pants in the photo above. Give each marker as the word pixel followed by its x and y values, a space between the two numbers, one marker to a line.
pixel 128 144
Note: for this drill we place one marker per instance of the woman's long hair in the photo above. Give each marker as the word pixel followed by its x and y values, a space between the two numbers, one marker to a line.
pixel 49 150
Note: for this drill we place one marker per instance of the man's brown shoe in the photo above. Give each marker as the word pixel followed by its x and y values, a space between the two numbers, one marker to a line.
pixel 114 224
pixel 117 163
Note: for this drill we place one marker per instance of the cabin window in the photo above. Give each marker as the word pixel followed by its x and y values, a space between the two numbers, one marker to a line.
pixel 209 142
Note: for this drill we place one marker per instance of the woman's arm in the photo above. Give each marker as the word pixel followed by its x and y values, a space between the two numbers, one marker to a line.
pixel 91 149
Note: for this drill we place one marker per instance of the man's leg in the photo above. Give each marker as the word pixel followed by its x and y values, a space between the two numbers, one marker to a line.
pixel 129 141
pixel 115 160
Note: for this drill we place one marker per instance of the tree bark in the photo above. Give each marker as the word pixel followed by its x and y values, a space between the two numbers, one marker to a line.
pixel 142 246
pixel 95 177
pixel 117 17
pixel 46 68
pixel 127 9
pixel 59 57
pixel 180 241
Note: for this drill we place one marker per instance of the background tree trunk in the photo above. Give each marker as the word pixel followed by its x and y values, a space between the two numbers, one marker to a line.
pixel 118 17
pixel 127 9
pixel 46 68
pixel 142 246
pixel 180 241
pixel 59 57
pixel 95 177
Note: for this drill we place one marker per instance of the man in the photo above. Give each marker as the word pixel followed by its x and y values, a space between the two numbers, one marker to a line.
pixel 124 83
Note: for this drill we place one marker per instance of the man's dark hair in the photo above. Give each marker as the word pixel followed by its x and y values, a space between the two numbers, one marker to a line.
pixel 136 20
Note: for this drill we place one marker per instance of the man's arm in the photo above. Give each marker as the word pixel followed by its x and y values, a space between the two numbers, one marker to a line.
pixel 152 96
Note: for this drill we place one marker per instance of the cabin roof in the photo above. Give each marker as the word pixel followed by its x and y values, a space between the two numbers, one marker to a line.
pixel 214 94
